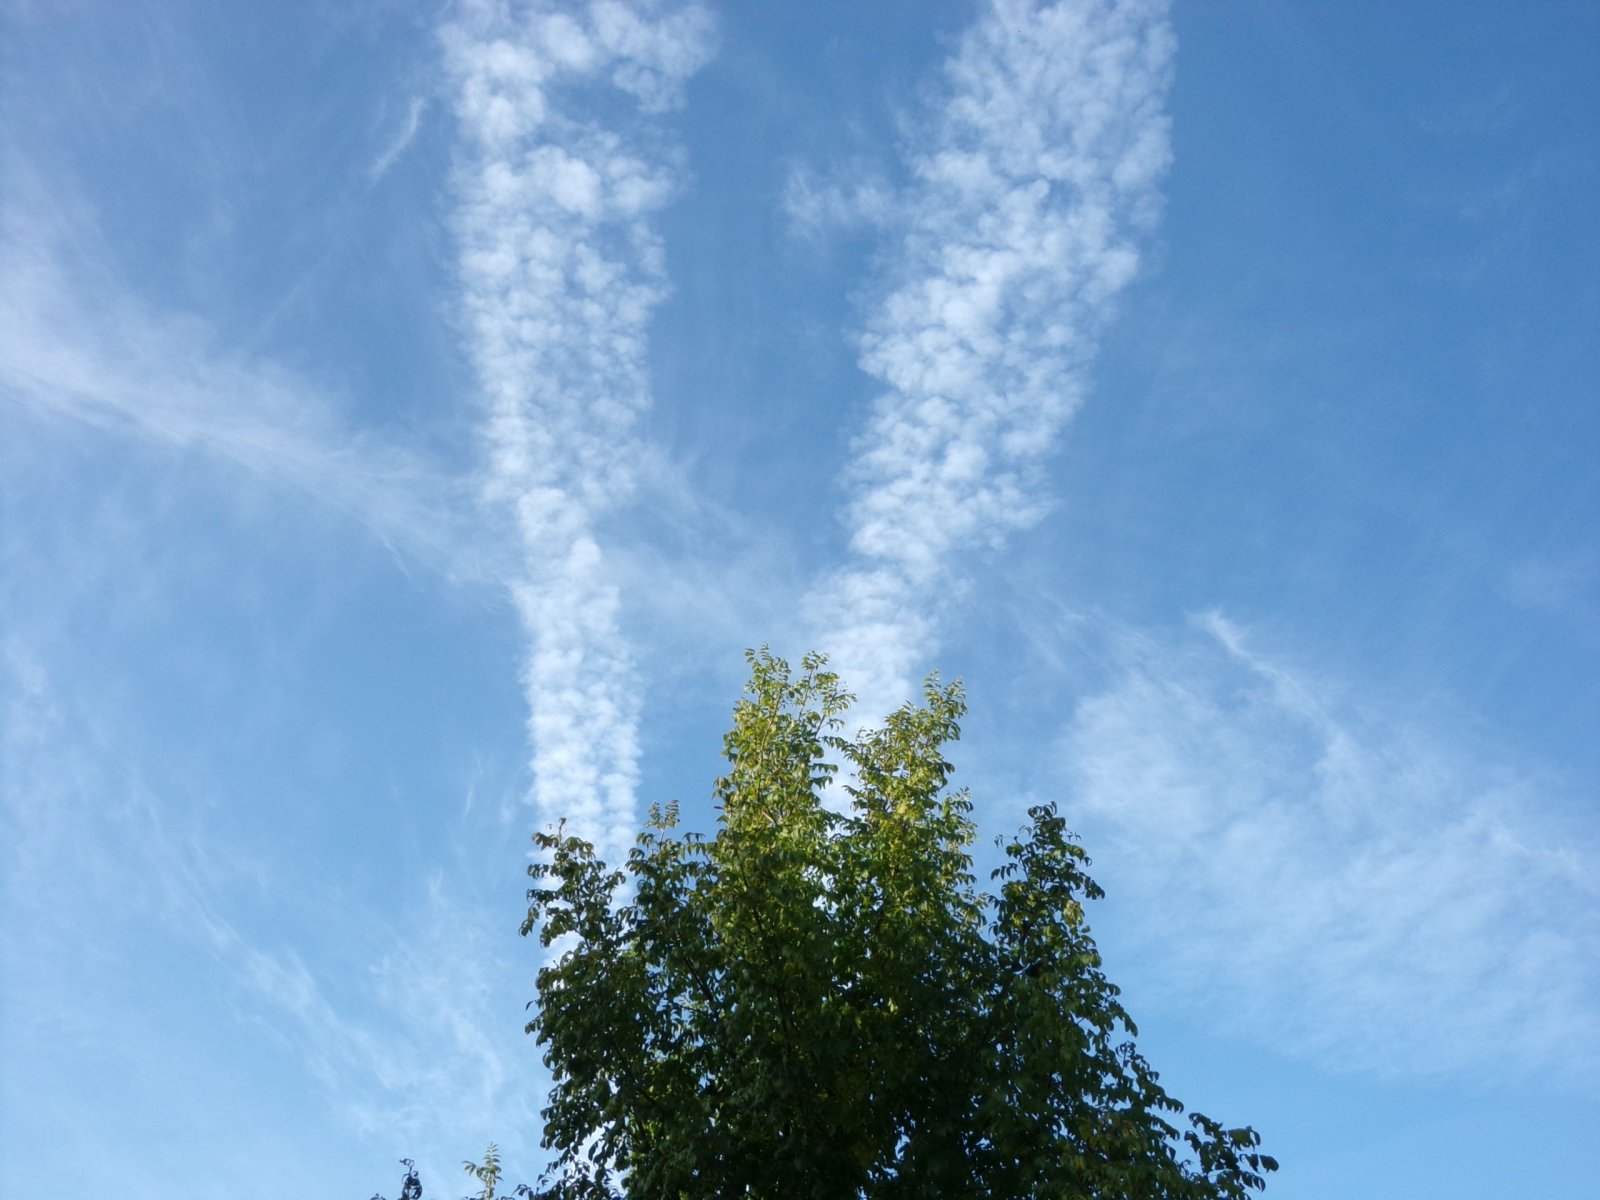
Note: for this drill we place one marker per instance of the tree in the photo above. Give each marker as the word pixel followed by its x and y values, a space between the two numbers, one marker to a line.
pixel 410 1184
pixel 816 1003
pixel 486 1173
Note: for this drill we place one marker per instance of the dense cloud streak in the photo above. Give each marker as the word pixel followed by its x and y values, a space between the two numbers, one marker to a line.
pixel 1037 175
pixel 561 270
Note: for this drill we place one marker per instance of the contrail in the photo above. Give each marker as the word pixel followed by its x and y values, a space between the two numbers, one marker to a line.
pixel 561 270
pixel 1037 175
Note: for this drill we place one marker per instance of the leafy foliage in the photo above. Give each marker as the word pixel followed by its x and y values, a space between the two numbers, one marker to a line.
pixel 823 1004
pixel 410 1185
pixel 486 1173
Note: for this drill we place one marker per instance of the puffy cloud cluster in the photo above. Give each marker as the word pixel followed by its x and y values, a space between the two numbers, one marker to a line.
pixel 1039 173
pixel 560 272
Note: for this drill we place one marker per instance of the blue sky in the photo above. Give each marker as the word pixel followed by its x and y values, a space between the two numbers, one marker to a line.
pixel 408 414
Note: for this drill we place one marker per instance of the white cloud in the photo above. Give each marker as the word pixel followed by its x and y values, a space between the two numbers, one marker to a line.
pixel 404 1024
pixel 401 140
pixel 561 270
pixel 1564 585
pixel 76 346
pixel 1339 877
pixel 1038 174
pixel 818 205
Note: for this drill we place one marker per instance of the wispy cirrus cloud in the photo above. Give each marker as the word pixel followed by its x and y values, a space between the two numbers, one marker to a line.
pixel 818 204
pixel 1564 585
pixel 562 170
pixel 398 1021
pixel 78 346
pixel 401 139
pixel 1036 177
pixel 1333 875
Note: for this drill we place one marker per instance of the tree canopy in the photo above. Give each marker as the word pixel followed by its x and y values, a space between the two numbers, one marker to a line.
pixel 819 1001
